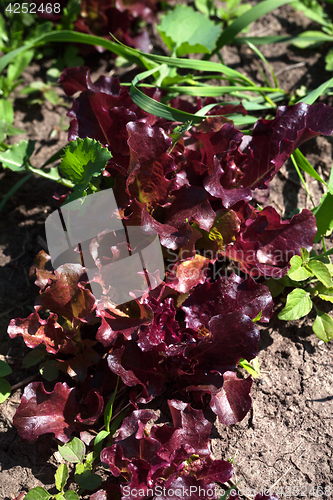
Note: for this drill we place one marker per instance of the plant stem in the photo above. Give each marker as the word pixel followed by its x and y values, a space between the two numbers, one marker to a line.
pixel 13 190
pixel 25 381
pixel 323 243
pixel 302 179
pixel 60 180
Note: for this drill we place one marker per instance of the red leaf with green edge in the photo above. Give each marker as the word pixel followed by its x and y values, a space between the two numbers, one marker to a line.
pixel 223 158
pixel 225 296
pixel 190 204
pixel 230 337
pixel 224 230
pixel 266 245
pixel 149 163
pixel 67 295
pixel 233 402
pixel 41 412
pixel 36 331
pixel 273 141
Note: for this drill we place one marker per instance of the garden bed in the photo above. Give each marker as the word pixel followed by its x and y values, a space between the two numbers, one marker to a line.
pixel 286 438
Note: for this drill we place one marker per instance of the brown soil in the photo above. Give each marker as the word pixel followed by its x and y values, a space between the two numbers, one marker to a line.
pixel 286 439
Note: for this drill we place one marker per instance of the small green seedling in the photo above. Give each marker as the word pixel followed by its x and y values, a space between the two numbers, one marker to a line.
pixel 314 38
pixel 61 477
pixel 232 10
pixel 185 31
pixel 311 279
pixel 82 161
pixel 252 368
pixel 14 71
pixel 75 452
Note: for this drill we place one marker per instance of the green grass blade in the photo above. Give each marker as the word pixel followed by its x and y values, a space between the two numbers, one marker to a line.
pixel 313 96
pixel 263 58
pixel 255 106
pixel 247 18
pixel 98 442
pixel 146 74
pixel 240 120
pixel 306 166
pixel 158 109
pixel 109 408
pixel 13 190
pixel 293 158
pixel 237 119
pixel 303 163
pixel 118 420
pixel 197 65
pixel 330 180
pixel 263 40
pixel 306 37
pixel 213 91
pixel 325 254
pixel 131 55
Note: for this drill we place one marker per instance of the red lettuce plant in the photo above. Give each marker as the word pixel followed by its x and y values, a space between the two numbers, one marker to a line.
pixel 102 17
pixel 121 18
pixel 184 339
